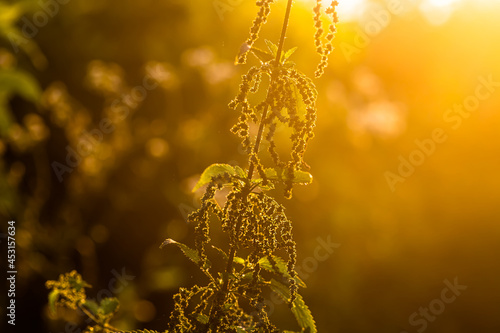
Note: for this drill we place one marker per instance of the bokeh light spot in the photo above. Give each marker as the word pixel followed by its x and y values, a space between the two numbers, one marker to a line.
pixel 157 147
pixel 99 233
pixel 144 311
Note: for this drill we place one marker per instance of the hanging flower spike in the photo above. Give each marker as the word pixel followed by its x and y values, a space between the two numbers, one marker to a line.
pixel 324 48
pixel 265 9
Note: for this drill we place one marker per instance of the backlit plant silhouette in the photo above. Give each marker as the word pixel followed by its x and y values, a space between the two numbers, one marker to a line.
pixel 260 253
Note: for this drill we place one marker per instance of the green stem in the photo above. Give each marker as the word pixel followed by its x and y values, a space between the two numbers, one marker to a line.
pixel 257 142
pixel 264 114
pixel 283 30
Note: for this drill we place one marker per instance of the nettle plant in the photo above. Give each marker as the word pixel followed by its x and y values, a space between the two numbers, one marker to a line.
pixel 260 254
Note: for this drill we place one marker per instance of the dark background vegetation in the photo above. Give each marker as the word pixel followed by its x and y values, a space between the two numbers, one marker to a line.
pixel 111 213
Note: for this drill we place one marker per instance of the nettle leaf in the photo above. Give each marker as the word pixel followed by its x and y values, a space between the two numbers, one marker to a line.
pixel 299 177
pixel 240 172
pixel 288 54
pixel 188 252
pixel 109 306
pixel 76 282
pixel 53 297
pixel 247 277
pixel 272 47
pixel 215 170
pixel 221 252
pixel 259 181
pixel 280 267
pixel 239 260
pixel 299 308
pixel 261 55
pixel 267 187
pixel 92 306
pixel 202 318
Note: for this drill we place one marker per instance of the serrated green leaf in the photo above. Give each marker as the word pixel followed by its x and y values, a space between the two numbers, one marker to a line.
pixel 279 268
pixel 109 306
pixel 299 177
pixel 262 55
pixel 92 306
pixel 221 252
pixel 267 187
pixel 240 172
pixel 248 277
pixel 76 282
pixel 239 260
pixel 273 48
pixel 288 54
pixel 213 171
pixel 20 83
pixel 202 318
pixel 302 177
pixel 53 296
pixel 188 252
pixel 299 309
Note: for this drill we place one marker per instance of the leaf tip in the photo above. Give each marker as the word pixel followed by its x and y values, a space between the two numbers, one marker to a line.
pixel 166 242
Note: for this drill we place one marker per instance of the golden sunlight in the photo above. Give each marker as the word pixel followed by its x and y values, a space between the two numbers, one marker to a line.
pixel 438 12
pixel 442 3
pixel 348 10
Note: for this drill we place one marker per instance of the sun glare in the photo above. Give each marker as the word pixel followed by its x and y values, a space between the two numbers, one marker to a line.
pixel 348 10
pixel 437 12
pixel 441 3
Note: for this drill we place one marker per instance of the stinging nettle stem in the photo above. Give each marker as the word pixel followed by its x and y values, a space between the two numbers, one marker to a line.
pixel 264 113
pixel 251 167
pixel 283 31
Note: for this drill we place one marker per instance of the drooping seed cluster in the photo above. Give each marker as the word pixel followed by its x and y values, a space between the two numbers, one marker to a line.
pixel 324 48
pixel 261 19
pixel 241 128
pixel 257 222
pixel 291 100
pixel 179 322
pixel 229 315
pixel 225 317
pixel 253 221
pixel 201 218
